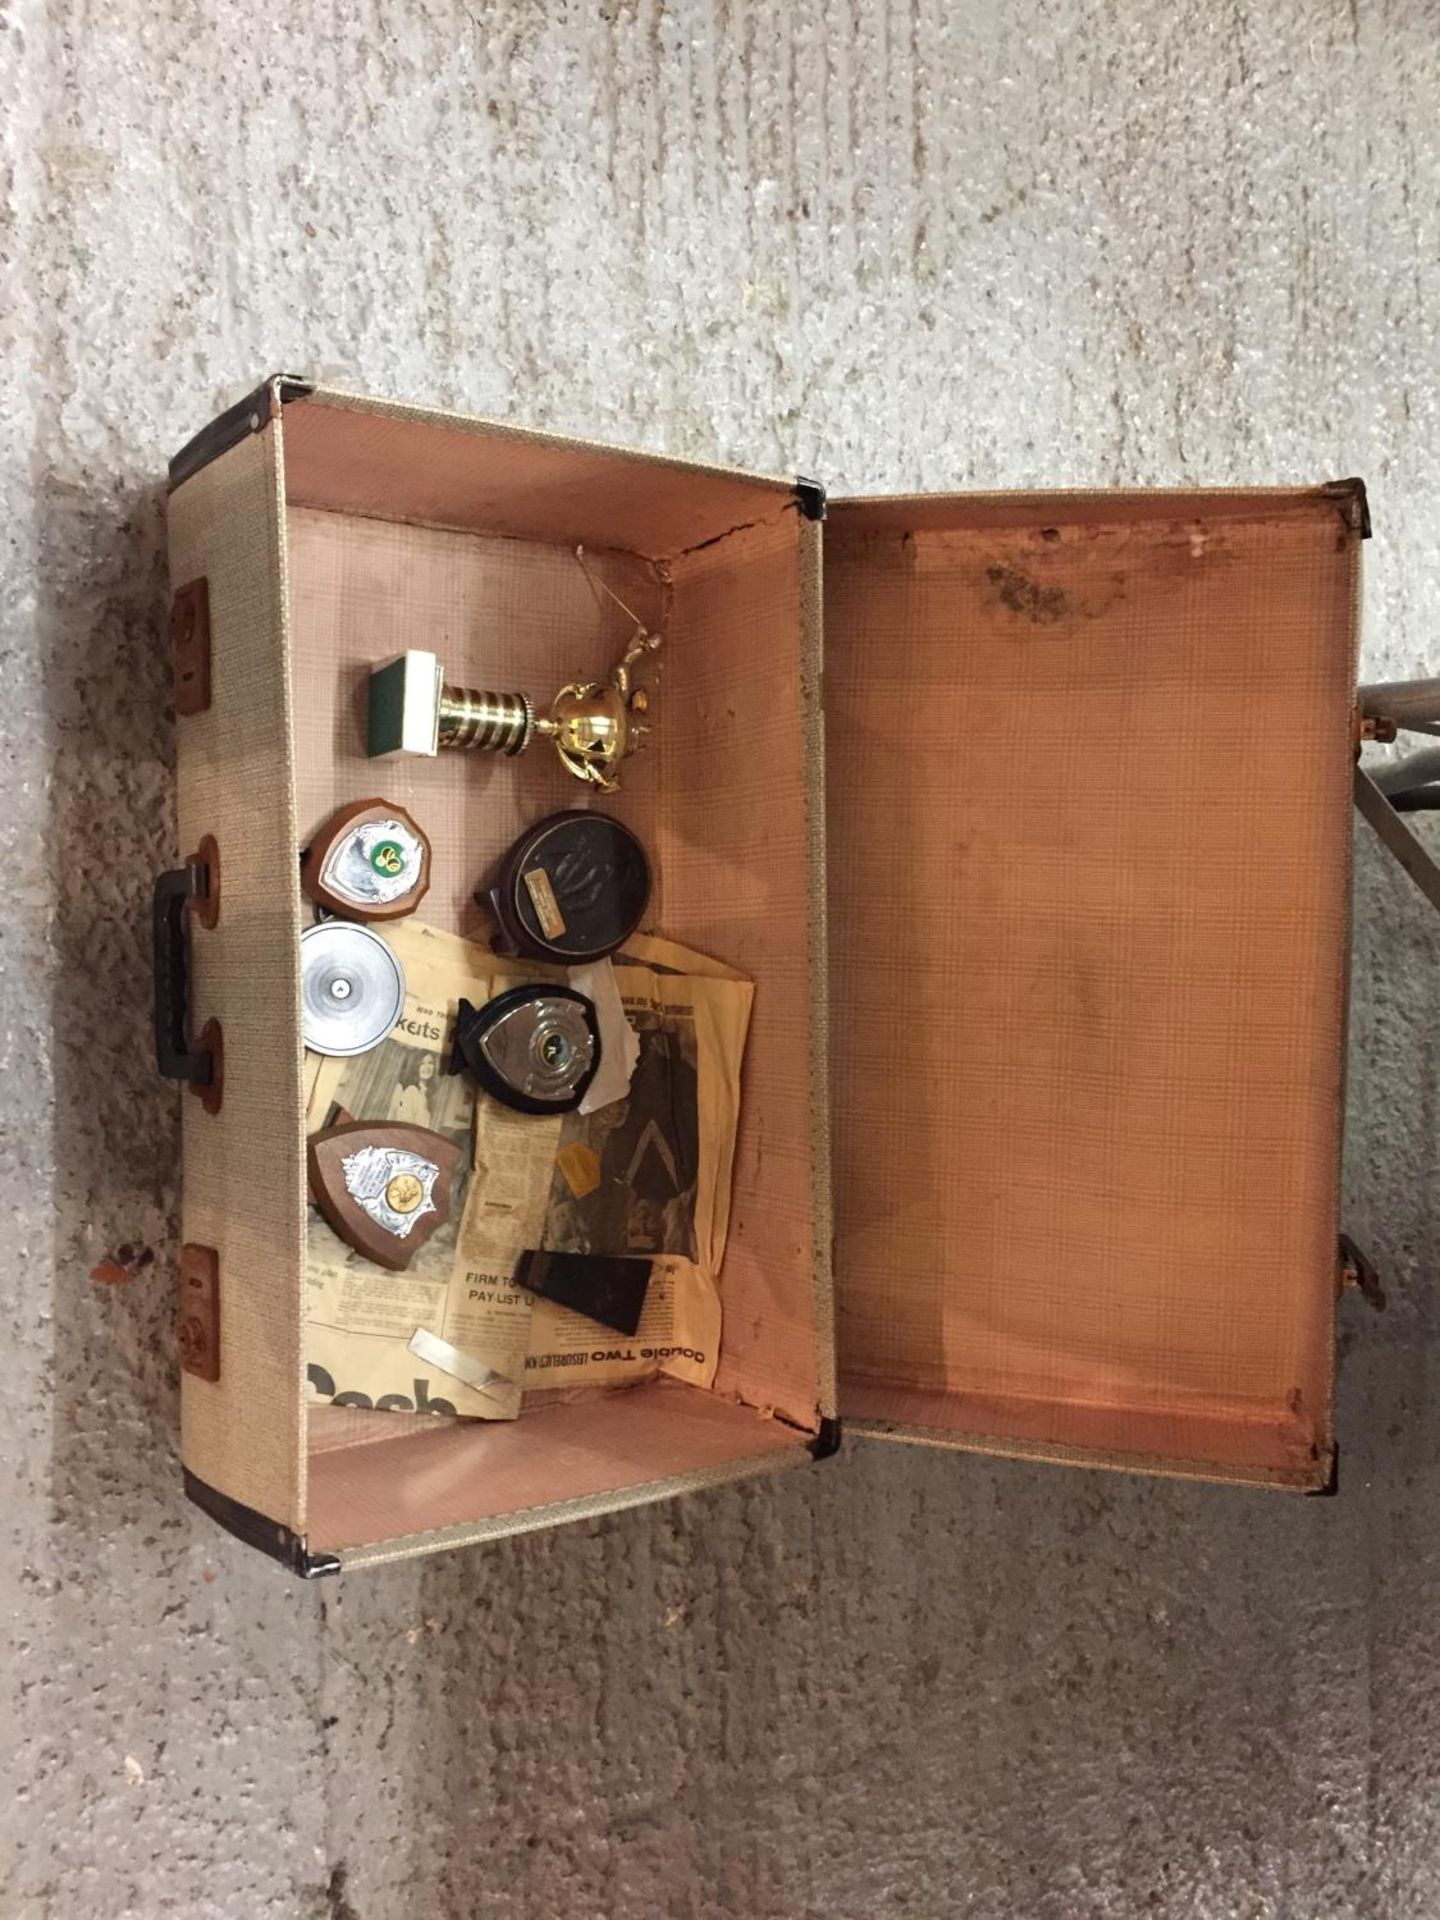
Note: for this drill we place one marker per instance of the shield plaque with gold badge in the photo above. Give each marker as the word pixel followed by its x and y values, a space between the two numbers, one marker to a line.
pixel 383 1187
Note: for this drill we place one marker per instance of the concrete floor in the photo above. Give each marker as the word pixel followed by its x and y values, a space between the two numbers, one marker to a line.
pixel 923 244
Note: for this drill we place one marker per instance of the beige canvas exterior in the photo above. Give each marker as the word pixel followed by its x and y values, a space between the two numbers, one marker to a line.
pixel 244 1435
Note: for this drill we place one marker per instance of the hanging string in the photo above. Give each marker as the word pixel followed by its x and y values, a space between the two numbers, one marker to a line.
pixel 598 586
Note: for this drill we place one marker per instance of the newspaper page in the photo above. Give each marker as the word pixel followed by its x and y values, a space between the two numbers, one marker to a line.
pixel 668 956
pixel 459 1289
pixel 647 1175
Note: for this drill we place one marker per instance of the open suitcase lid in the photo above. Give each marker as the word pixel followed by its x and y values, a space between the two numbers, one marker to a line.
pixel 1089 770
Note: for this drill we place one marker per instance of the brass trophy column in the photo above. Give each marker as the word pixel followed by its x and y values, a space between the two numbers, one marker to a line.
pixel 592 724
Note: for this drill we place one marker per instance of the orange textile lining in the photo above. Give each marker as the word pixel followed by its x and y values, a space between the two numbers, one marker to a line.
pixel 721 800
pixel 1089 828
pixel 731 841
pixel 444 470
pixel 388 1484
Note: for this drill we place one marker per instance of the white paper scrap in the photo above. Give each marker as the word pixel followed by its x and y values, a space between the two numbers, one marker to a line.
pixel 465 1367
pixel 619 1043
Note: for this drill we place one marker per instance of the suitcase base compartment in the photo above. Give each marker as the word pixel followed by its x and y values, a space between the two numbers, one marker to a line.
pixel 335 533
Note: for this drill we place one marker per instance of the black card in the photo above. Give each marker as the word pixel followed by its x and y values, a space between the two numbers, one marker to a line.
pixel 601 1286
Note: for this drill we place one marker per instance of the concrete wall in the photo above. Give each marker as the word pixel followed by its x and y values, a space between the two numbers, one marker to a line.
pixel 916 244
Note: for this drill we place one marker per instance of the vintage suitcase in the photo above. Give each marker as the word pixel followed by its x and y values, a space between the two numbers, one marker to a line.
pixel 1072 1062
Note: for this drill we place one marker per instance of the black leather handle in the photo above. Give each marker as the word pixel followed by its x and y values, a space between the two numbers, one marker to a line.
pixel 174 1055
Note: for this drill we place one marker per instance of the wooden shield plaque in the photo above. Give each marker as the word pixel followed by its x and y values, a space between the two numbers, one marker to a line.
pixel 384 1187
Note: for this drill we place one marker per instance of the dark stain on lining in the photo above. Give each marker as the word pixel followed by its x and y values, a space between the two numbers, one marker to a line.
pixel 1024 596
